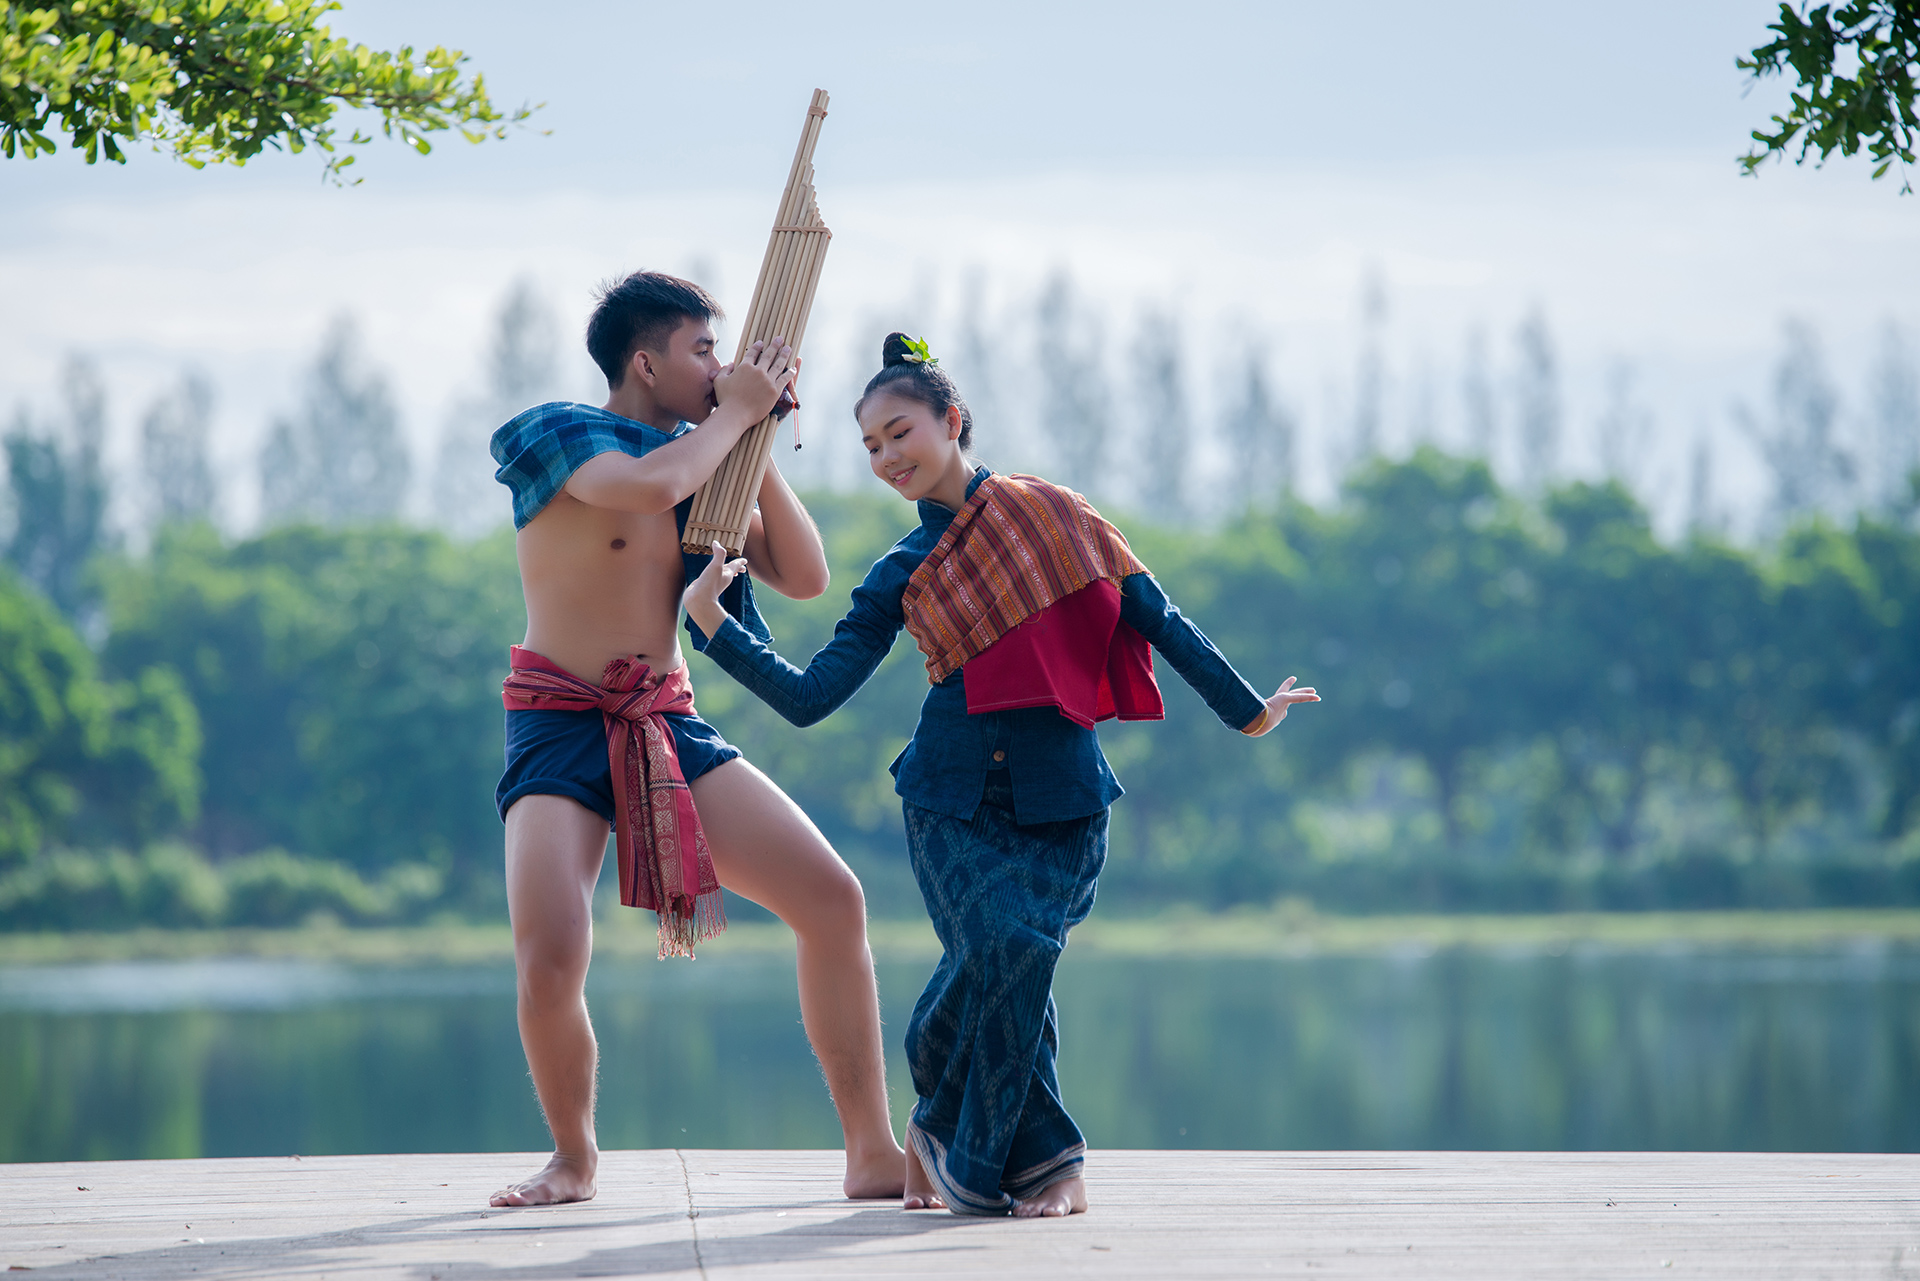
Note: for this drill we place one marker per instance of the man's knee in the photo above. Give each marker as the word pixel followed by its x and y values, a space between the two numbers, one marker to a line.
pixel 552 976
pixel 836 907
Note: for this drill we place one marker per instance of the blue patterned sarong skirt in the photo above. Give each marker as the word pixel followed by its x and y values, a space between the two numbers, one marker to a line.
pixel 989 1127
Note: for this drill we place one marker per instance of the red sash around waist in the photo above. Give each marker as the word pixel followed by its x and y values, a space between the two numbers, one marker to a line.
pixel 665 866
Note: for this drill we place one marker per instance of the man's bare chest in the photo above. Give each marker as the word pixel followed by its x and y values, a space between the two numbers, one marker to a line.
pixel 594 547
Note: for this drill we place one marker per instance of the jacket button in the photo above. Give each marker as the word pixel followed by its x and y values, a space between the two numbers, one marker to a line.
pixel 999 756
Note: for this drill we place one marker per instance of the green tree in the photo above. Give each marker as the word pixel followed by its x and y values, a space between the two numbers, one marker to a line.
pixel 1887 704
pixel 1427 588
pixel 349 681
pixel 82 758
pixel 1207 813
pixel 1755 706
pixel 1831 110
pixel 1847 612
pixel 1611 685
pixel 58 491
pixel 218 81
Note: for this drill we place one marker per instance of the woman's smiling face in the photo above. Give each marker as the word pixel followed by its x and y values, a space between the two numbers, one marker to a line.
pixel 910 448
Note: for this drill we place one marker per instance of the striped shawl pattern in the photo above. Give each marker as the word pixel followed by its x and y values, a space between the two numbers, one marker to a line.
pixel 541 448
pixel 1017 546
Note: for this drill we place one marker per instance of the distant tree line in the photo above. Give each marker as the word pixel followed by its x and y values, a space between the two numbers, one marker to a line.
pixel 1530 703
pixel 1533 700
pixel 1135 410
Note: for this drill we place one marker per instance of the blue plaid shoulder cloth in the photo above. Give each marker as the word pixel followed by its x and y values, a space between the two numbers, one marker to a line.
pixel 541 448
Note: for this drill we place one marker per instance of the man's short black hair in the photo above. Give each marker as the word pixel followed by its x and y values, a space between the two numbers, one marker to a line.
pixel 642 311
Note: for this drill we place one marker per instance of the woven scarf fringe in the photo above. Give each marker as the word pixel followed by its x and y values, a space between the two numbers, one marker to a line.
pixel 679 934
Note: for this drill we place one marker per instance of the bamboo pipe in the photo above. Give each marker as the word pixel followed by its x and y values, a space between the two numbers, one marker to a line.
pixel 796 265
pixel 782 304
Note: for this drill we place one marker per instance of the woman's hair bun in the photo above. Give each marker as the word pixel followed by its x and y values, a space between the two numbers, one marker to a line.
pixel 909 370
pixel 895 350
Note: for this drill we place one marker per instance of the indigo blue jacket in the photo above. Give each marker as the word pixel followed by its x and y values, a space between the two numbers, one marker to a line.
pixel 1058 770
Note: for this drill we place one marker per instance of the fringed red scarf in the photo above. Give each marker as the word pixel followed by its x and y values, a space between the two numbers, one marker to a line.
pixel 1018 545
pixel 665 866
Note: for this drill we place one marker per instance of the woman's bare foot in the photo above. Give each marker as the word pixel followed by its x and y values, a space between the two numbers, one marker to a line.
pixel 876 1175
pixel 1069 1196
pixel 920 1194
pixel 565 1179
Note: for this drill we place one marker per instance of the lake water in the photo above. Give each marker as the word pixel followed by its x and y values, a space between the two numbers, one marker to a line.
pixel 1593 1049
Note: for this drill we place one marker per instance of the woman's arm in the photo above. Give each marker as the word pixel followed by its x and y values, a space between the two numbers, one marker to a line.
pixel 1145 608
pixel 860 641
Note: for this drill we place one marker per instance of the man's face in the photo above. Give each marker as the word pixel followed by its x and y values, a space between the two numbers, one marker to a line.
pixel 682 375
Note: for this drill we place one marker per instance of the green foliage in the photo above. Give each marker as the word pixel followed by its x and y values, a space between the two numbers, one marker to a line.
pixel 275 888
pixel 1432 578
pixel 348 680
pixel 919 353
pixel 66 890
pixel 217 81
pixel 1832 111
pixel 174 886
pixel 1529 706
pixel 82 757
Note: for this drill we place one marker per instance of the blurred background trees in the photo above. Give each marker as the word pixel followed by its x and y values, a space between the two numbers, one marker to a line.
pixel 1535 698
pixel 1528 705
pixel 340 457
pixel 520 370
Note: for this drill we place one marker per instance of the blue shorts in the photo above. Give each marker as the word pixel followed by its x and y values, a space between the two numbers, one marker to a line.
pixel 565 754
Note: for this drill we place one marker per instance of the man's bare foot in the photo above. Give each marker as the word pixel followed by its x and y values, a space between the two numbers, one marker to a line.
pixel 565 1179
pixel 1069 1196
pixel 875 1176
pixel 920 1194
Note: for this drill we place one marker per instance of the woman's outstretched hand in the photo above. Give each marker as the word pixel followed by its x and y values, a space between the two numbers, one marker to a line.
pixel 1283 698
pixel 702 597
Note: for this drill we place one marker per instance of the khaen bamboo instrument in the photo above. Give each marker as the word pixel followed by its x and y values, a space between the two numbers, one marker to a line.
pixel 782 300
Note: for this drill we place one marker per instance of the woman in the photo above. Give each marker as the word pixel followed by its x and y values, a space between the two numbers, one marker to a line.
pixel 1035 618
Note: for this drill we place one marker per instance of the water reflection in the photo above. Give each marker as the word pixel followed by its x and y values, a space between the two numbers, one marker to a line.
pixel 1595 1049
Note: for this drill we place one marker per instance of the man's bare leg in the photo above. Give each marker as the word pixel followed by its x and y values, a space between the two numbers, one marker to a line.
pixel 1069 1196
pixel 766 849
pixel 554 850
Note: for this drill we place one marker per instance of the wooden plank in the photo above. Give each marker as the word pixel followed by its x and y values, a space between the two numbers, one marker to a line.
pixel 739 1214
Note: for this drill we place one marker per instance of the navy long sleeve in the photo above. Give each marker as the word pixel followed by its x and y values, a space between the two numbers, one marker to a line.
pixel 1057 767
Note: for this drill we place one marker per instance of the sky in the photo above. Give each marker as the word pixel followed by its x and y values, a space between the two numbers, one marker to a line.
pixel 1249 169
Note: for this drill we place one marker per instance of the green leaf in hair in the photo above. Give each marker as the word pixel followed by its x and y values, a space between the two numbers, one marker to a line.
pixel 918 352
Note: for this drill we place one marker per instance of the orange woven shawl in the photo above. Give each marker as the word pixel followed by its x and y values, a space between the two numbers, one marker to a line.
pixel 1019 545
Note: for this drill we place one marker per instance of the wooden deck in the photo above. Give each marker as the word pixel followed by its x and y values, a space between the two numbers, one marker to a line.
pixel 736 1214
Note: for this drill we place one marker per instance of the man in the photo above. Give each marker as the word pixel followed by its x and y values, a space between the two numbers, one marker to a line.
pixel 600 496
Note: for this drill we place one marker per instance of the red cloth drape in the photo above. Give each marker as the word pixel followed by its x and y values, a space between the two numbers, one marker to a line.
pixel 1076 655
pixel 665 866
